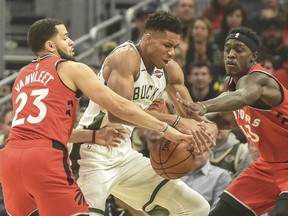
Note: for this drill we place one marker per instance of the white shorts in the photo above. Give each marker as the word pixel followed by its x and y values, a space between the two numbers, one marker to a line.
pixel 133 180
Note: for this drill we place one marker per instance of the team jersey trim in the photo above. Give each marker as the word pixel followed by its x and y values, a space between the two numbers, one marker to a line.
pixel 154 193
pixel 95 210
pixel 237 204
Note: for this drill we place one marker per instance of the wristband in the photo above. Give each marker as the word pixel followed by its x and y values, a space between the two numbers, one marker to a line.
pixel 93 136
pixel 176 121
pixel 165 128
pixel 203 106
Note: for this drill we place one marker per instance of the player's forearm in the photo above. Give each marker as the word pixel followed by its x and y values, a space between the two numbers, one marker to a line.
pixel 169 118
pixel 130 112
pixel 115 119
pixel 81 135
pixel 227 101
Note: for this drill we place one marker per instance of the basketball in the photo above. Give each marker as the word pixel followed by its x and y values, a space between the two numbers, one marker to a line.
pixel 171 160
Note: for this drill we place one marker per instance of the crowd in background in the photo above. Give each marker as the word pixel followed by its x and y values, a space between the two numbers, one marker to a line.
pixel 205 25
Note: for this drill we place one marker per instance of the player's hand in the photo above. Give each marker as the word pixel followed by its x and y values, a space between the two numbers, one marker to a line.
pixel 202 139
pixel 199 108
pixel 110 136
pixel 212 130
pixel 176 136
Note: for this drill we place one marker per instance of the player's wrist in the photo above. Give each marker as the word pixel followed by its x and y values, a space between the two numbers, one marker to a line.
pixel 204 108
pixel 94 136
pixel 165 128
pixel 176 122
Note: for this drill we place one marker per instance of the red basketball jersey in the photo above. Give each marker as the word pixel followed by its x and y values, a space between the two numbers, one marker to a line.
pixel 267 129
pixel 44 108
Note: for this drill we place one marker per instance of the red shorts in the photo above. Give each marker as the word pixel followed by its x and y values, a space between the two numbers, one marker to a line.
pixel 36 175
pixel 258 187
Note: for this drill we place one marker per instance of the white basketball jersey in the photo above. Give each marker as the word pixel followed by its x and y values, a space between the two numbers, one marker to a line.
pixel 147 87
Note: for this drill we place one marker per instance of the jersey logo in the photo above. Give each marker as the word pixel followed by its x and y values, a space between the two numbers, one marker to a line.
pixel 158 74
pixel 79 197
pixel 237 35
pixel 69 103
pixel 280 115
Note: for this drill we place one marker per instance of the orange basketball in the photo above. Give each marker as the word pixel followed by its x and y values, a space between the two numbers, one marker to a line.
pixel 171 160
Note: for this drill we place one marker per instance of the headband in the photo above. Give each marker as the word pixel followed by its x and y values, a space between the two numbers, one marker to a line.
pixel 245 39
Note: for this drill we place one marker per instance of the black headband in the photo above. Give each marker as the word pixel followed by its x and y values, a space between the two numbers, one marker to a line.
pixel 245 39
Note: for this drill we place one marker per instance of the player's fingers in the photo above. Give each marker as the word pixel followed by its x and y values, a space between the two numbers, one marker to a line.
pixel 178 96
pixel 209 150
pixel 208 140
pixel 199 141
pixel 113 142
pixel 206 144
pixel 213 142
pixel 122 134
pixel 185 103
pixel 118 130
pixel 201 124
pixel 187 137
pixel 194 147
pixel 117 141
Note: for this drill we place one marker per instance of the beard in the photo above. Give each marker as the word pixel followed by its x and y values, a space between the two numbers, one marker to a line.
pixel 65 55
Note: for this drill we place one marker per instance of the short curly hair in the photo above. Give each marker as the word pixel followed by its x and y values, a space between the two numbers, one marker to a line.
pixel 163 21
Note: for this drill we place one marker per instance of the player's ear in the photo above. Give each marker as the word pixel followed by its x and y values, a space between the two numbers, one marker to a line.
pixel 147 37
pixel 49 45
pixel 253 57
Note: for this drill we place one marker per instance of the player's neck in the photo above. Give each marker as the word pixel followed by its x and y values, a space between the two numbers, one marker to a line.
pixel 149 67
pixel 42 54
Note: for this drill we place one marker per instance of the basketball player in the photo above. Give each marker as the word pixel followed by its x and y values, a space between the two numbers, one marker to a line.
pixel 141 73
pixel 34 168
pixel 260 106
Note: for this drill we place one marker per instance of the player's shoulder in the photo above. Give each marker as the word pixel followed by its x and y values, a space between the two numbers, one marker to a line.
pixel 125 56
pixel 124 51
pixel 258 77
pixel 67 65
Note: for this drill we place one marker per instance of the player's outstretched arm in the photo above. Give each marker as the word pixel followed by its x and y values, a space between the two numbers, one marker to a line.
pixel 248 92
pixel 80 76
